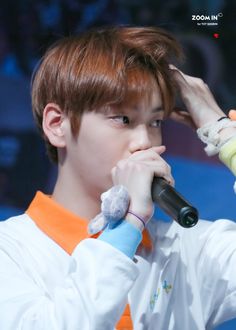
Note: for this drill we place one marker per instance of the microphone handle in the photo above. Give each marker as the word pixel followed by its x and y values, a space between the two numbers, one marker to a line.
pixel 172 203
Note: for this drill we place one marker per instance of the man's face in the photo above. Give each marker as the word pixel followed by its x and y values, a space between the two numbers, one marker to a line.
pixel 106 137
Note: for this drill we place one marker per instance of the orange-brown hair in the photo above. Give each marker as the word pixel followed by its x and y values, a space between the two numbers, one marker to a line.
pixel 103 67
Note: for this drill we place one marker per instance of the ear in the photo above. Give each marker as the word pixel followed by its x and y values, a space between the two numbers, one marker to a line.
pixel 54 125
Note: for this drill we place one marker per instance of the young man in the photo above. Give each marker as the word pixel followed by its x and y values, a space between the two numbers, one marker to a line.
pixel 99 100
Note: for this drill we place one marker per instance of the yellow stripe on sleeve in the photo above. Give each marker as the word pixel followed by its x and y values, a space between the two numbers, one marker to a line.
pixel 227 155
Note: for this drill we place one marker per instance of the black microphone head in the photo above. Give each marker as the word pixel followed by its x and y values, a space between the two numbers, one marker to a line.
pixel 175 205
pixel 188 216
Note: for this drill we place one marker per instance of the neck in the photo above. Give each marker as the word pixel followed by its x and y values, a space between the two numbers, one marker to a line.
pixel 76 198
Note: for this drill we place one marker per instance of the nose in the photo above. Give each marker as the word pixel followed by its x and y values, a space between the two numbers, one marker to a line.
pixel 140 139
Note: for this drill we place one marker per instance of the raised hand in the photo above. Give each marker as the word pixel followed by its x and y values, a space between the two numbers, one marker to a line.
pixel 198 99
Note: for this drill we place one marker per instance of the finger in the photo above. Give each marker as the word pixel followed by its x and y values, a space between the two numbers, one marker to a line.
pixel 172 66
pixel 159 169
pixel 148 154
pixel 184 80
pixel 160 149
pixel 181 73
pixel 164 172
pixel 174 69
pixel 183 117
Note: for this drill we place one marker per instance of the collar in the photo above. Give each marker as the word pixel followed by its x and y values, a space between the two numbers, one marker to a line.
pixel 61 225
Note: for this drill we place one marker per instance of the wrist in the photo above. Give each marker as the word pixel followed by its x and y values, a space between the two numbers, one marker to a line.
pixel 138 215
pixel 227 133
pixel 209 118
pixel 145 212
pixel 135 220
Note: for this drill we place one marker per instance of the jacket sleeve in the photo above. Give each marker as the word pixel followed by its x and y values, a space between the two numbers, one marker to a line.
pixel 227 154
pixel 92 295
pixel 216 267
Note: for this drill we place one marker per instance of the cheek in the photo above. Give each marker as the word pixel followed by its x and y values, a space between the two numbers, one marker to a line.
pixel 98 156
pixel 96 166
pixel 160 139
pixel 156 138
pixel 107 156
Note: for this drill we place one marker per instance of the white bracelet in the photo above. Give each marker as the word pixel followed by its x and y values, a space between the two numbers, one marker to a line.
pixel 209 134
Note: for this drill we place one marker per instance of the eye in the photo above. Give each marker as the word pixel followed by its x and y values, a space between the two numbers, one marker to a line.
pixel 124 120
pixel 156 123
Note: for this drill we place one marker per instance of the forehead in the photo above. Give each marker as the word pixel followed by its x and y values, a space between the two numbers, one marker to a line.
pixel 150 104
pixel 151 101
pixel 140 89
pixel 141 86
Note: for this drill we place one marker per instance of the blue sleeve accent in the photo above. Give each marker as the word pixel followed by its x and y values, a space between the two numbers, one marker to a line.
pixel 123 236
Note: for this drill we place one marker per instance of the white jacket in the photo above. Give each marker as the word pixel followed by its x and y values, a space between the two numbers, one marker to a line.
pixel 187 282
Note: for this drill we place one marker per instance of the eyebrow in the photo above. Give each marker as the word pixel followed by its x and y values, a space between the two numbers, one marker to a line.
pixel 108 110
pixel 157 109
pixel 123 110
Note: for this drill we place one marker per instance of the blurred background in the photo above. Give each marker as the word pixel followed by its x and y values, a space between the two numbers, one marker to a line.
pixel 207 31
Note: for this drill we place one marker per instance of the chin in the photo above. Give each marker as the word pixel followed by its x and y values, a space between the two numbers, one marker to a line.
pixel 98 189
pixel 106 186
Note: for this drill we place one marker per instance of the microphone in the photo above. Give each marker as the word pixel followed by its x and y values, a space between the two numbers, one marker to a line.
pixel 172 203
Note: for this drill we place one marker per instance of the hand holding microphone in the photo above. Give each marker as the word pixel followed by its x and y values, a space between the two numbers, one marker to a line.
pixel 145 174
